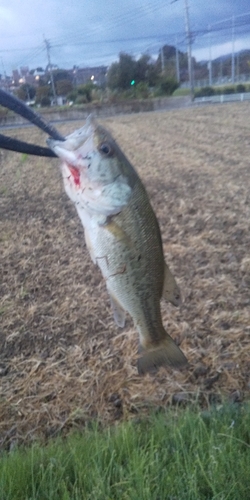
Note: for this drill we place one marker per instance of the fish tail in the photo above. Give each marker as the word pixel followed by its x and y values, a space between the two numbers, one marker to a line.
pixel 165 352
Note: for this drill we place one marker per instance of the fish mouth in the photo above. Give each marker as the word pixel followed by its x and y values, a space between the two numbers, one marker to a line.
pixel 77 145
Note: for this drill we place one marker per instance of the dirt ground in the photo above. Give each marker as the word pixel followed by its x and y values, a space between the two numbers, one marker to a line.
pixel 63 361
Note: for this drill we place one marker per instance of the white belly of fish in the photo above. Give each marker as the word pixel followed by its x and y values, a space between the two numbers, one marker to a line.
pixel 109 249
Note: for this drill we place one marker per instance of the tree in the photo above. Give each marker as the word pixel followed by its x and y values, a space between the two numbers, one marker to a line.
pixel 113 76
pixel 127 70
pixel 26 92
pixel 153 74
pixel 168 54
pixel 41 92
pixel 63 87
pixel 45 101
pixel 62 81
pixel 86 91
pixel 61 74
pixel 141 69
pixel 72 96
pixel 121 74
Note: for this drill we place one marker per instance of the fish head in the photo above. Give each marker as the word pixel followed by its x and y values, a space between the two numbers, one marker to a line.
pixel 95 171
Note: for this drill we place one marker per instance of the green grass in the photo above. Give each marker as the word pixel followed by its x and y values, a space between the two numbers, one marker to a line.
pixel 173 455
pixel 181 92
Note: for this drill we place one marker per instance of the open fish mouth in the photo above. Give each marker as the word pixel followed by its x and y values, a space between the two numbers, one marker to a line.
pixel 78 148
pixel 77 138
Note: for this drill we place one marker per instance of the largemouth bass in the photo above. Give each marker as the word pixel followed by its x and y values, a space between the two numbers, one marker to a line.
pixel 123 237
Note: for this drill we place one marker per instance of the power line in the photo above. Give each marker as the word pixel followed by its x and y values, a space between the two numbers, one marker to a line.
pixel 80 40
pixel 30 57
pixel 116 21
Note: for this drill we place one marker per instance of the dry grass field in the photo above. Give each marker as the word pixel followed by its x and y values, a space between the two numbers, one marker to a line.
pixel 63 361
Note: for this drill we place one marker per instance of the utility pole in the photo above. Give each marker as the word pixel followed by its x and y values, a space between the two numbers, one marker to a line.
pixel 237 67
pixel 4 72
pixel 189 49
pixel 47 45
pixel 233 65
pixel 162 60
pixel 232 19
pixel 210 58
pixel 177 62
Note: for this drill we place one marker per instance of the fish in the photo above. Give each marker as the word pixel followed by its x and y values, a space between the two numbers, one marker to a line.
pixel 123 237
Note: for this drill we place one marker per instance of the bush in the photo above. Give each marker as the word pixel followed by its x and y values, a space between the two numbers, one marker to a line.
pixel 86 91
pixel 228 90
pixel 205 92
pixel 81 99
pixel 240 88
pixel 142 90
pixel 127 94
pixel 72 96
pixel 45 101
pixel 167 86
pixel 97 94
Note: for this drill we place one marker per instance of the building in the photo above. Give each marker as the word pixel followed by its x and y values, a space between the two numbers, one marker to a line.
pixel 97 75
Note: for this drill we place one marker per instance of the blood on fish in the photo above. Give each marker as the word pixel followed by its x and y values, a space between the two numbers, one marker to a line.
pixel 75 174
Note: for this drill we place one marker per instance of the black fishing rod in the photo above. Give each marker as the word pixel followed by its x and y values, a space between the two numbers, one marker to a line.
pixel 14 104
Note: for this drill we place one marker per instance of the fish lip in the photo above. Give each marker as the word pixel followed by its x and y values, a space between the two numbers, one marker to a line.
pixel 81 135
pixel 75 140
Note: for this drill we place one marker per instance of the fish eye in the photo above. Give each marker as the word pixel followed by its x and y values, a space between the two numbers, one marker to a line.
pixel 106 149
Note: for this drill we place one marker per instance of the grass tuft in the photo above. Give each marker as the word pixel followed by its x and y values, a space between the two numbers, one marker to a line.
pixel 172 455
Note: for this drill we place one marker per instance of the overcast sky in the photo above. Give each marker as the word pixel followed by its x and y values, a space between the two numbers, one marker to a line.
pixel 93 32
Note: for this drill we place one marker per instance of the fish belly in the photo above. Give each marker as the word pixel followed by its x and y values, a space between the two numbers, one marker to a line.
pixel 133 281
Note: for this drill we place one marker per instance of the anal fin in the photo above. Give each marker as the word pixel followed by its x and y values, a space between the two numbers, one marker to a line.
pixel 170 291
pixel 89 246
pixel 118 311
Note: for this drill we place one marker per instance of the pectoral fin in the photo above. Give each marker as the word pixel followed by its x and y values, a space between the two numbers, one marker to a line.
pixel 118 311
pixel 171 291
pixel 118 233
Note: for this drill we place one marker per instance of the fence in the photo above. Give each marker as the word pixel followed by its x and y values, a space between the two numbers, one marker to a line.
pixel 218 81
pixel 224 98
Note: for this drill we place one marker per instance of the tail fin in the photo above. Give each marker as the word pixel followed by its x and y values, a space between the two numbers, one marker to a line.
pixel 164 353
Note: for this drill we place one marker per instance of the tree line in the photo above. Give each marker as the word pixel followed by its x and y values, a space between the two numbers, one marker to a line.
pixel 129 78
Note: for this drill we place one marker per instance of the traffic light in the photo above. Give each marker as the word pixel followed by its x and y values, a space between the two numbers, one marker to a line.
pixel 132 82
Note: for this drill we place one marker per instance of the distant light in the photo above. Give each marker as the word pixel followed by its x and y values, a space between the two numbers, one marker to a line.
pixel 37 77
pixel 132 82
pixel 92 77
